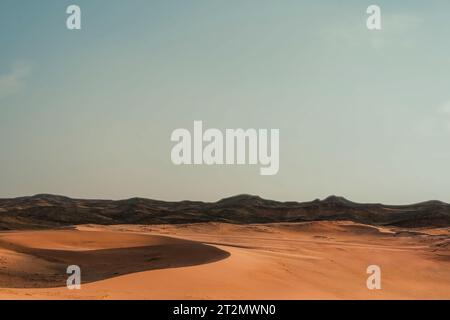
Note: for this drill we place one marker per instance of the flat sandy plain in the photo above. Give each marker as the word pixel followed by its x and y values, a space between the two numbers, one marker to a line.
pixel 314 260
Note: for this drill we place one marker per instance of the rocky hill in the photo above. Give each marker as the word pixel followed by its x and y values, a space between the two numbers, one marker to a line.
pixel 44 211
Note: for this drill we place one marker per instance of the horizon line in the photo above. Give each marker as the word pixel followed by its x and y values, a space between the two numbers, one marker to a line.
pixel 221 199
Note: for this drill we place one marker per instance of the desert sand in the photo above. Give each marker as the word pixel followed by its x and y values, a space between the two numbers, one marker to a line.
pixel 313 260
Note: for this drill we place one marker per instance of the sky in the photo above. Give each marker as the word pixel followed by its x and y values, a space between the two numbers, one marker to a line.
pixel 89 113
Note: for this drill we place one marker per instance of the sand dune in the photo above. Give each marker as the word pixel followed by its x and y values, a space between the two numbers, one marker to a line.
pixel 40 258
pixel 325 260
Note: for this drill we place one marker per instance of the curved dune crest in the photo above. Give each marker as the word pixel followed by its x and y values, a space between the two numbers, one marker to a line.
pixel 306 260
pixel 39 259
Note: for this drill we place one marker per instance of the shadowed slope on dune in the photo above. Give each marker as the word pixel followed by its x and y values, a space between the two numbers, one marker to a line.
pixel 306 260
pixel 100 255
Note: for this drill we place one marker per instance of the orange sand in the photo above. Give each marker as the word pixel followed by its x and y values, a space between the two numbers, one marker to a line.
pixel 319 260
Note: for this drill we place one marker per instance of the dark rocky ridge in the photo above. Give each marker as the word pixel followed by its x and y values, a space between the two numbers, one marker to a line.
pixel 47 211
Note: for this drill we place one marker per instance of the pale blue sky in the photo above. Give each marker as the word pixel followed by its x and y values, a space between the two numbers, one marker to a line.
pixel 361 114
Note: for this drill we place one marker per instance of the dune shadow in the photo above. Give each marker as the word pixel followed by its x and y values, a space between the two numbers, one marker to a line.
pixel 101 264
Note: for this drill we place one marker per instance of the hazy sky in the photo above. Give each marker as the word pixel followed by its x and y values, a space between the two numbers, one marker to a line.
pixel 361 114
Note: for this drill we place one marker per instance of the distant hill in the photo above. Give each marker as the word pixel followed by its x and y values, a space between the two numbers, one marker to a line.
pixel 44 211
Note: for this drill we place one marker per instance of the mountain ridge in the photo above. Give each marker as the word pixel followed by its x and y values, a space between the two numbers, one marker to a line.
pixel 49 211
